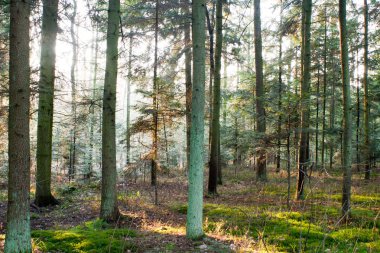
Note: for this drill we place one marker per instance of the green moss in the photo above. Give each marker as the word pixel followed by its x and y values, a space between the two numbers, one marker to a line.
pixel 92 237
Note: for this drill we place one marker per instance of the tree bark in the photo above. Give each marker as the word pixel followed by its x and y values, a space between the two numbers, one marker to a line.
pixel 129 81
pixel 214 165
pixel 304 149
pixel 153 178
pixel 347 117
pixel 324 93
pixel 18 237
pixel 317 123
pixel 92 110
pixel 279 103
pixel 188 82
pixel 108 207
pixel 72 169
pixel 45 104
pixel 367 134
pixel 194 228
pixel 261 159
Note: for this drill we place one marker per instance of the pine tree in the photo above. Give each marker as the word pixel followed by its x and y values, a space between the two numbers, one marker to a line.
pixel 304 149
pixel 45 104
pixel 347 110
pixel 261 159
pixel 108 208
pixel 215 133
pixel 194 228
pixel 18 237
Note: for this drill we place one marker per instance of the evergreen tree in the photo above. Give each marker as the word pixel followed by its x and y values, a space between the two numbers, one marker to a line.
pixel 45 104
pixel 261 159
pixel 347 110
pixel 108 208
pixel 304 149
pixel 194 223
pixel 18 238
pixel 215 132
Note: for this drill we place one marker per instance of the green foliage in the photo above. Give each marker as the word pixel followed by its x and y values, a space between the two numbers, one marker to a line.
pixel 288 231
pixel 92 237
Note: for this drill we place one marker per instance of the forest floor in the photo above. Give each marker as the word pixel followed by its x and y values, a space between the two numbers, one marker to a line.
pixel 247 216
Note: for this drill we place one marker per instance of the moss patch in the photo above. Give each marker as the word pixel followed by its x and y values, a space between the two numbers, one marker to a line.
pixel 92 237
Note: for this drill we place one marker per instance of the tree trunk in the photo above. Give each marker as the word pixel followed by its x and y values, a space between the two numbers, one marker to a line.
pixel 332 120
pixel 347 121
pixel 188 83
pixel 92 108
pixel 129 81
pixel 45 104
pixel 153 178
pixel 210 28
pixel 261 159
pixel 278 155
pixel 367 134
pixel 194 228
pixel 317 123
pixel 72 169
pixel 17 237
pixel 324 93
pixel 357 112
pixel 303 159
pixel 108 208
pixel 214 165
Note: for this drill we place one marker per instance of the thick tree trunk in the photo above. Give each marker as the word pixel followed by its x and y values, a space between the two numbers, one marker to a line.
pixel 194 228
pixel 214 164
pixel 304 149
pixel 261 159
pixel 367 134
pixel 45 104
pixel 108 208
pixel 17 237
pixel 347 117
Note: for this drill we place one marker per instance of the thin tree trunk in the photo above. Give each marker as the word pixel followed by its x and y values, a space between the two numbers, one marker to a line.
pixel 347 121
pixel 317 123
pixel 92 111
pixel 129 81
pixel 210 28
pixel 304 149
pixel 166 141
pixel 45 104
pixel 332 120
pixel 214 165
pixel 261 159
pixel 367 134
pixel 108 208
pixel 18 237
pixel 357 111
pixel 194 228
pixel 153 179
pixel 279 103
pixel 72 169
pixel 324 93
pixel 188 82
